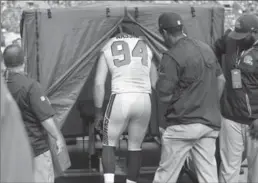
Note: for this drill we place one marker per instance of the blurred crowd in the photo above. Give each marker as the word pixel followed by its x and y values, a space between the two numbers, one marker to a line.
pixel 11 13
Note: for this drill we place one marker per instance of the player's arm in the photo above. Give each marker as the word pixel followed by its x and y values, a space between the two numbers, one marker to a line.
pixel 100 80
pixel 167 78
pixel 43 110
pixel 153 75
pixel 153 69
pixel 221 79
pixel 219 46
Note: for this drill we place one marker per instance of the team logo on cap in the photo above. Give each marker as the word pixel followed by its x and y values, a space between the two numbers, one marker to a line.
pixel 178 22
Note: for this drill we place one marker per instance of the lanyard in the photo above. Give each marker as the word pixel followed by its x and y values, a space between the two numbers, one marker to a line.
pixel 238 56
pixel 256 42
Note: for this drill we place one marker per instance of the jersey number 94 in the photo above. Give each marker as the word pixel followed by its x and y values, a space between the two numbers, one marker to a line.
pixel 119 48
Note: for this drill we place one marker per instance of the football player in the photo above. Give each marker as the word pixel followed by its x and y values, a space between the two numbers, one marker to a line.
pixel 129 60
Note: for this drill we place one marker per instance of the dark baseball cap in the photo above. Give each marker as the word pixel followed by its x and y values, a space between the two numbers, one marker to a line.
pixel 244 25
pixel 170 20
pixel 13 56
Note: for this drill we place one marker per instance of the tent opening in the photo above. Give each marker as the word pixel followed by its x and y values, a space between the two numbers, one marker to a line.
pixel 82 113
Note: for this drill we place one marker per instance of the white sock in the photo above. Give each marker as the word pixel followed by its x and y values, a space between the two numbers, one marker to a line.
pixel 130 181
pixel 109 178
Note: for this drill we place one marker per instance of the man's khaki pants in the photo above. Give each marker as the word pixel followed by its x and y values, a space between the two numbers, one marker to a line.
pixel 234 141
pixel 43 168
pixel 180 141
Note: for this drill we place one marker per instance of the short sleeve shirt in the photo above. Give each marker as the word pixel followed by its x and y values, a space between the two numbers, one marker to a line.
pixel 15 147
pixel 168 76
pixel 40 104
pixel 188 84
pixel 34 106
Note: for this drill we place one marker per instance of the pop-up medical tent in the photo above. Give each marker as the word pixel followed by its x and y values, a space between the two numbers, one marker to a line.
pixel 62 47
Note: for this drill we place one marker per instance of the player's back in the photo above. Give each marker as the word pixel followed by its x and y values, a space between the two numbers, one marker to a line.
pixel 129 61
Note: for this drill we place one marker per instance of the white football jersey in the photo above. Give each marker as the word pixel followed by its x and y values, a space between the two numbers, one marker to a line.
pixel 129 61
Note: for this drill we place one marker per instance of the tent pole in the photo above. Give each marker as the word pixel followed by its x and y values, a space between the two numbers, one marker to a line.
pixel 120 29
pixel 37 45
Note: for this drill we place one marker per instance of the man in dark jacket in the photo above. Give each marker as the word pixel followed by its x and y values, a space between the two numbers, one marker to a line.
pixel 239 103
pixel 191 82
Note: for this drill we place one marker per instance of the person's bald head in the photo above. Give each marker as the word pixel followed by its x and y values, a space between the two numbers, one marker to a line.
pixel 13 56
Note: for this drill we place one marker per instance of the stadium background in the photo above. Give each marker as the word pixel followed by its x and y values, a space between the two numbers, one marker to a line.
pixel 10 20
pixel 11 12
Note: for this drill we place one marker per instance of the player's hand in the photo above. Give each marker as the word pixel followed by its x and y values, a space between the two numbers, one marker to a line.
pixel 98 120
pixel 254 130
pixel 60 145
pixel 98 123
pixel 161 131
pixel 221 118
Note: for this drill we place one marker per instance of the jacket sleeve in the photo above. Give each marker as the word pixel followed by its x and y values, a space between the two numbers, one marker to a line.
pixel 219 46
pixel 39 102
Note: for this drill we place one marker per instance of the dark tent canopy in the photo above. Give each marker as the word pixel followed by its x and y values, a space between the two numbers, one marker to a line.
pixel 62 47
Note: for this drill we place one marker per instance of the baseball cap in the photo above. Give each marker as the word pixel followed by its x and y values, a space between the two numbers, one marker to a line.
pixel 170 20
pixel 244 25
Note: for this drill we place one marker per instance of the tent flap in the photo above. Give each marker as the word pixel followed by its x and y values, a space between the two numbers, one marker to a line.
pixel 69 85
